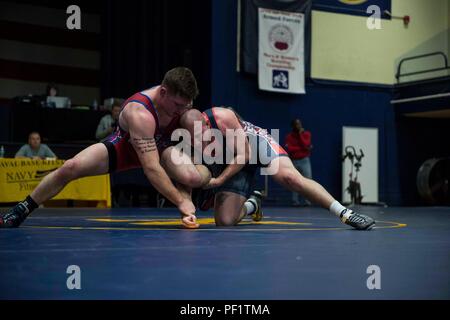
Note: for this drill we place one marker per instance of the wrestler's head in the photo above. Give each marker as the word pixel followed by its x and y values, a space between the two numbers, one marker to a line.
pixel 34 140
pixel 177 91
pixel 192 118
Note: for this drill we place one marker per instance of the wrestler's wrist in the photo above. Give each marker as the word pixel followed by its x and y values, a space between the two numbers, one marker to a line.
pixel 220 179
pixel 184 215
pixel 186 208
pixel 179 201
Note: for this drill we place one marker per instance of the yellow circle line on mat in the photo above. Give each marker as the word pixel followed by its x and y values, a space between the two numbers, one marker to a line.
pixel 201 221
pixel 393 226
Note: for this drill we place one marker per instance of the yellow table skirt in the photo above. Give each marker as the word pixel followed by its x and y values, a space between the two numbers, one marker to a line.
pixel 18 177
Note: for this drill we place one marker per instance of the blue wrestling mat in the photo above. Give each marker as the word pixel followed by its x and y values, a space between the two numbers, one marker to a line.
pixel 291 254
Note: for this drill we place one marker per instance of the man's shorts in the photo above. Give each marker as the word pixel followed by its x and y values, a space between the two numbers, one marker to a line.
pixel 121 153
pixel 242 183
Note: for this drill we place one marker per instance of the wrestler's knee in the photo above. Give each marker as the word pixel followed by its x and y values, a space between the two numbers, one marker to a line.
pixel 69 170
pixel 225 221
pixel 292 179
pixel 174 156
pixel 191 178
pixel 196 177
pixel 205 174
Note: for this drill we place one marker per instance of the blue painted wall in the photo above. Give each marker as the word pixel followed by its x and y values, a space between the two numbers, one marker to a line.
pixel 324 110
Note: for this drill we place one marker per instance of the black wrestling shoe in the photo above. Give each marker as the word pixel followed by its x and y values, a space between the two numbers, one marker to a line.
pixel 256 197
pixel 357 221
pixel 14 217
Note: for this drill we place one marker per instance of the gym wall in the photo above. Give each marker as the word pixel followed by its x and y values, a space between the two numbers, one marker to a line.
pixel 344 49
pixel 36 48
pixel 351 86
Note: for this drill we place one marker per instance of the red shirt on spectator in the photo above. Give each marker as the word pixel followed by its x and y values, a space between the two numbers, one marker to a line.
pixel 298 144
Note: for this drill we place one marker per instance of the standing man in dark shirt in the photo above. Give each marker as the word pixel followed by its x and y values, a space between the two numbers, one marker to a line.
pixel 298 145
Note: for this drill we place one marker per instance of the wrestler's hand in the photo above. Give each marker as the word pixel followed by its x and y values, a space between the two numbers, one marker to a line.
pixel 213 183
pixel 190 222
pixel 187 210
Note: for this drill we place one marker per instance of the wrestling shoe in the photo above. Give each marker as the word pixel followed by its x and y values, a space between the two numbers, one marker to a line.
pixel 256 198
pixel 14 216
pixel 356 220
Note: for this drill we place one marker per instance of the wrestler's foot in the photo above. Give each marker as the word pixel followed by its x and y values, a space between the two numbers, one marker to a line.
pixel 256 200
pixel 14 216
pixel 356 220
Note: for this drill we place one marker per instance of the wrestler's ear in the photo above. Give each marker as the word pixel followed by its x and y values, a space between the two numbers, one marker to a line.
pixel 163 91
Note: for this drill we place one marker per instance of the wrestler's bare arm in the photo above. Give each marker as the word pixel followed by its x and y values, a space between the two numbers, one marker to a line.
pixel 141 126
pixel 226 119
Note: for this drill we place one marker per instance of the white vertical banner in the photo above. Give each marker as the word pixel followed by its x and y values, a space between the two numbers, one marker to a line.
pixel 365 140
pixel 281 61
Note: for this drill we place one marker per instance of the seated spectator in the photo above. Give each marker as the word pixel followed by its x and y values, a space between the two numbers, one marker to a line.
pixel 108 123
pixel 35 149
pixel 52 90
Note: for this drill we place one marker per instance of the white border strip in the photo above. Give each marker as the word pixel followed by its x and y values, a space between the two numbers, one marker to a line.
pixel 433 96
